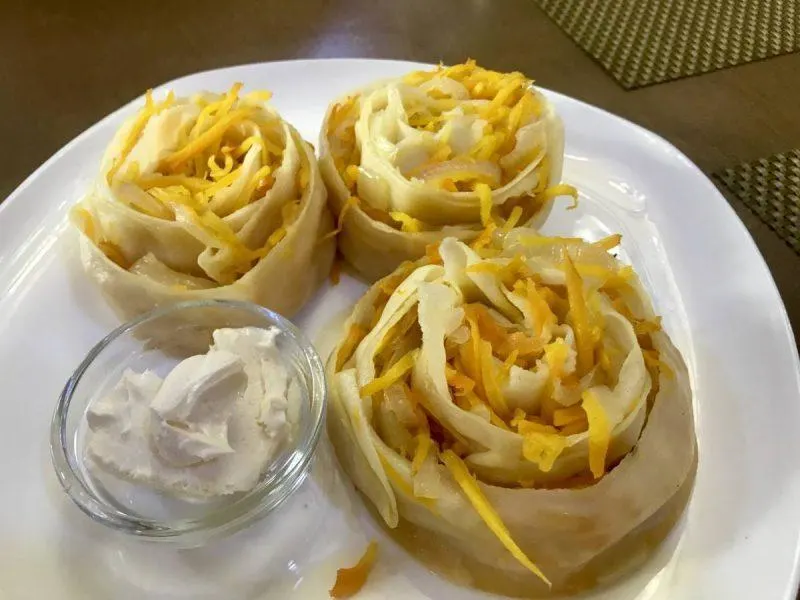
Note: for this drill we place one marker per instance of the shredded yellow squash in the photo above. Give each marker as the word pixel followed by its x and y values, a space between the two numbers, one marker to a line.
pixel 599 433
pixel 473 492
pixel 485 195
pixel 393 374
pixel 424 445
pixel 543 448
pixel 580 317
pixel 408 223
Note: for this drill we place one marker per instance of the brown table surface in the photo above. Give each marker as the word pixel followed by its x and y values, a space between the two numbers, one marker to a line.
pixel 64 65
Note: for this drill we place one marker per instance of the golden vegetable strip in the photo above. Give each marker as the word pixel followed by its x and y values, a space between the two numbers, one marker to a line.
pixel 473 492
pixel 350 580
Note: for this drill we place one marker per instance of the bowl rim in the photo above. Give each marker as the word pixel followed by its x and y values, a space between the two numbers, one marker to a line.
pixel 281 479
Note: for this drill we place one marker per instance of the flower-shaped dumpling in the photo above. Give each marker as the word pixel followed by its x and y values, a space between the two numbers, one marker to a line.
pixel 213 196
pixel 517 402
pixel 434 154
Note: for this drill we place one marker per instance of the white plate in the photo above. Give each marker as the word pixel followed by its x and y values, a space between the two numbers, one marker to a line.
pixel 740 539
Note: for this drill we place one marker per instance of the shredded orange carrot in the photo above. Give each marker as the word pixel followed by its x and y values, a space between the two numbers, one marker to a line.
pixel 432 254
pixel 575 427
pixel 488 328
pixel 350 580
pixel 566 416
pixel 484 238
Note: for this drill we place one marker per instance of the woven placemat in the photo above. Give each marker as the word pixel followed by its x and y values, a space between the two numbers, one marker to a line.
pixel 770 187
pixel 641 42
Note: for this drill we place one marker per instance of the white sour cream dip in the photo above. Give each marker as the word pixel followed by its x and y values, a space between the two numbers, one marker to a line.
pixel 210 428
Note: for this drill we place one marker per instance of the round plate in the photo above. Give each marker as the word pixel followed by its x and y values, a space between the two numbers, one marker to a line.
pixel 740 536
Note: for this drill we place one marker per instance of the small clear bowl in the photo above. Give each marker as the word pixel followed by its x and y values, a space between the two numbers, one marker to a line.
pixel 158 340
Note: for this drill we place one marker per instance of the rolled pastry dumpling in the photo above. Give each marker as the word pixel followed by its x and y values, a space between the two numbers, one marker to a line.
pixel 211 196
pixel 515 412
pixel 434 154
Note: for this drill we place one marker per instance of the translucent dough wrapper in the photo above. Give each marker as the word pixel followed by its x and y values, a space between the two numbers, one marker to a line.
pixel 208 197
pixel 575 424
pixel 404 161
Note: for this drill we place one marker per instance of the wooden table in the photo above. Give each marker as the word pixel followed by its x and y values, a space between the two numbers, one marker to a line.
pixel 64 65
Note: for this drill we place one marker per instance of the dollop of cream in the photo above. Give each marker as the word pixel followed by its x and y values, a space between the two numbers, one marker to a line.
pixel 193 405
pixel 210 428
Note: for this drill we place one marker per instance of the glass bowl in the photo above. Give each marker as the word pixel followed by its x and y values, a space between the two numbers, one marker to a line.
pixel 157 341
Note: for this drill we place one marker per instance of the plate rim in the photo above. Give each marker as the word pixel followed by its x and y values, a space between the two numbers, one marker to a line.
pixel 732 219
